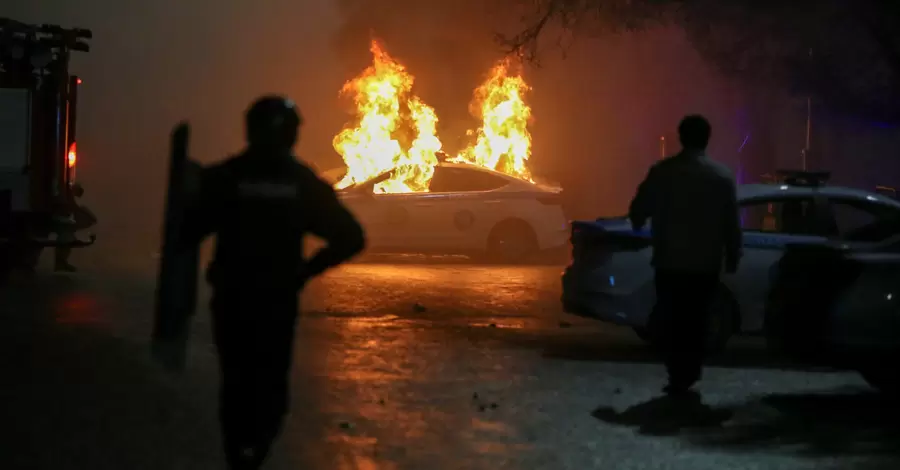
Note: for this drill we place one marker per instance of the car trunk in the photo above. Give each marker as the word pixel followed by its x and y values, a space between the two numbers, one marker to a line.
pixel 595 242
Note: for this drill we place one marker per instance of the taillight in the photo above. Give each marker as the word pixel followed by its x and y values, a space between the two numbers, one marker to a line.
pixel 72 156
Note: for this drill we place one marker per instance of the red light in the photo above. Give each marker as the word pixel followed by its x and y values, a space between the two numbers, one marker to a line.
pixel 78 81
pixel 72 157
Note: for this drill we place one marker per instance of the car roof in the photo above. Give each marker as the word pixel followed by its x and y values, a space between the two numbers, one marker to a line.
pixel 473 167
pixel 763 191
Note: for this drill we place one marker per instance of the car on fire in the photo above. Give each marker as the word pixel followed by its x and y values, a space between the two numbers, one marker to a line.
pixel 468 209
pixel 838 304
pixel 610 277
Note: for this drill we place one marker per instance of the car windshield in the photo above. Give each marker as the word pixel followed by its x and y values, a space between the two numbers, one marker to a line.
pixel 370 183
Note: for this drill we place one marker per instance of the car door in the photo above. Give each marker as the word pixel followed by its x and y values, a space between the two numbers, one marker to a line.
pixel 768 226
pixel 463 210
pixel 386 218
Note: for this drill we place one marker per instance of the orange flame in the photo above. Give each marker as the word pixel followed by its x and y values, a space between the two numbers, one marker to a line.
pixel 503 142
pixel 393 129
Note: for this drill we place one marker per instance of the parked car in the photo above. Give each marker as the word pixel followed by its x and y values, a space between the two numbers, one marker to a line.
pixel 610 277
pixel 468 209
pixel 838 304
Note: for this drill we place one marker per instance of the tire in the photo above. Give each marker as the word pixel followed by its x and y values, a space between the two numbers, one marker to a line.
pixel 724 321
pixel 885 379
pixel 512 241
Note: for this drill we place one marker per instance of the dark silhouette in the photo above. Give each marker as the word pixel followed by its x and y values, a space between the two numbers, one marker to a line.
pixel 691 201
pixel 261 204
pixel 83 218
pixel 666 415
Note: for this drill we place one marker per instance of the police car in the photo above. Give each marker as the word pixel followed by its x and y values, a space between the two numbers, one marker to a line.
pixel 468 209
pixel 838 304
pixel 610 277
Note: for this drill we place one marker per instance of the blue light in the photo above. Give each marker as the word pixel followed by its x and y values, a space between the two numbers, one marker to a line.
pixel 612 281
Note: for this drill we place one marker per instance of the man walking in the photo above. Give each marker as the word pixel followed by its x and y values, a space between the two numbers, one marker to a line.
pixel 260 204
pixel 691 202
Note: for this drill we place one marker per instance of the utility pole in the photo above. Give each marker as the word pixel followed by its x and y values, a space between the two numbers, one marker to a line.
pixel 806 149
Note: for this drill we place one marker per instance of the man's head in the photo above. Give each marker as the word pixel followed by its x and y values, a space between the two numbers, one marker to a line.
pixel 694 132
pixel 273 123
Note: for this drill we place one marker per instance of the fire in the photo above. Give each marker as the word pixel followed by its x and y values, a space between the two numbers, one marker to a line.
pixel 394 129
pixel 503 142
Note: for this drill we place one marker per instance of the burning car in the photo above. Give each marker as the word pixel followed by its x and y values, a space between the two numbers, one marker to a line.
pixel 467 209
pixel 414 196
pixel 610 277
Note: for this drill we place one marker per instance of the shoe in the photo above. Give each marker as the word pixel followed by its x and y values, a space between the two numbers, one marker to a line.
pixel 678 388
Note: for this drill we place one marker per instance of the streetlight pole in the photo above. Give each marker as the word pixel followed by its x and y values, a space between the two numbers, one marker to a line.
pixel 805 153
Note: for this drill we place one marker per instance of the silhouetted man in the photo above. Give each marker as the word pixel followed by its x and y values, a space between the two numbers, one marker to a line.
pixel 82 218
pixel 691 202
pixel 261 204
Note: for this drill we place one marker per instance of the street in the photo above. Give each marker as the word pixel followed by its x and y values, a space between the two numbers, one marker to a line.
pixel 410 366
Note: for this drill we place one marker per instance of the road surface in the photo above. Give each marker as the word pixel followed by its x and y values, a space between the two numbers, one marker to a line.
pixel 410 366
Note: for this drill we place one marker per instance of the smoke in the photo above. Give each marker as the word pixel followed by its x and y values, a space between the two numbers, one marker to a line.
pixel 597 115
pixel 448 46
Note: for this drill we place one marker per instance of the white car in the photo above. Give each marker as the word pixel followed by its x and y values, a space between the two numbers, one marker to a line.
pixel 467 210
pixel 610 278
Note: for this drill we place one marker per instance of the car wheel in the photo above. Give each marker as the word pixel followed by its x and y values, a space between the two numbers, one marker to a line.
pixel 512 241
pixel 723 323
pixel 885 379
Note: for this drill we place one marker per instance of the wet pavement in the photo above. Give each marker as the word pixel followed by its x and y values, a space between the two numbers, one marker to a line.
pixel 411 366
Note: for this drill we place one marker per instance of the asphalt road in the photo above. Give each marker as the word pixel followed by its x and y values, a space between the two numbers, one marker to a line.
pixel 413 366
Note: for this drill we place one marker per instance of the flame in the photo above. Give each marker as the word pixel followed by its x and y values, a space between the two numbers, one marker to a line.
pixel 393 129
pixel 503 142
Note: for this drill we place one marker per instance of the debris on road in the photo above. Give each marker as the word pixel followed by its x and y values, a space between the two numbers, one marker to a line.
pixel 419 308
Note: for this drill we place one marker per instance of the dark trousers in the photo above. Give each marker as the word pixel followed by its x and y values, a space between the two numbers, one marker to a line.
pixel 254 334
pixel 684 299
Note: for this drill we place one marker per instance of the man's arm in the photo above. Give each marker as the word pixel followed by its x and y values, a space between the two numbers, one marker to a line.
pixel 733 232
pixel 332 222
pixel 642 205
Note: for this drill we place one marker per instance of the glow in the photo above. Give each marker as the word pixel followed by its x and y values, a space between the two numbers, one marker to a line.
pixel 72 157
pixel 612 281
pixel 78 81
pixel 889 296
pixel 871 198
pixel 783 187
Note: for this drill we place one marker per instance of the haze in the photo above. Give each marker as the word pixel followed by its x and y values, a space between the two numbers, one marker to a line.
pixel 599 114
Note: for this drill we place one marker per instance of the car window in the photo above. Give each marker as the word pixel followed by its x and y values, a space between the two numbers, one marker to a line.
pixel 864 221
pixel 850 216
pixel 794 216
pixel 446 180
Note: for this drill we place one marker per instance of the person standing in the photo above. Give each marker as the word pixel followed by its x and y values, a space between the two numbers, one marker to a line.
pixel 691 203
pixel 261 204
pixel 81 218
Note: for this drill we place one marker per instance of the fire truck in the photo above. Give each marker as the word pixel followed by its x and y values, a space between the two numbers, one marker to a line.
pixel 38 152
